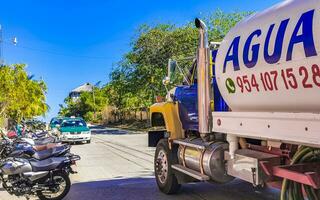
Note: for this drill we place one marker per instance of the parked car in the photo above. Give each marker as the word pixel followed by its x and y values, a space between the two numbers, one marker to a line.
pixel 74 130
pixel 56 122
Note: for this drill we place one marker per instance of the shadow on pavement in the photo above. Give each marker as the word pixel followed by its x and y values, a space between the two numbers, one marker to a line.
pixel 95 126
pixel 146 188
pixel 108 131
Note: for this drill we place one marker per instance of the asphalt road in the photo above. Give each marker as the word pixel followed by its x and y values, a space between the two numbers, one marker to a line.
pixel 118 165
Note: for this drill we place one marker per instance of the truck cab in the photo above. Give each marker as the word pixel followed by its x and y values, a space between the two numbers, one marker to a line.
pixel 182 98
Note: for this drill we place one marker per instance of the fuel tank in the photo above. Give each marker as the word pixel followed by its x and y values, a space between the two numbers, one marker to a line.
pixel 269 62
pixel 209 161
pixel 16 166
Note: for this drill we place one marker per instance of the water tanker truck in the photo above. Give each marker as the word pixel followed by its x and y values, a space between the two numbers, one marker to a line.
pixel 248 109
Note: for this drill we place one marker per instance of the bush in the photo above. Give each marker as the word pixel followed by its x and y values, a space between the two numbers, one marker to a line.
pixel 89 116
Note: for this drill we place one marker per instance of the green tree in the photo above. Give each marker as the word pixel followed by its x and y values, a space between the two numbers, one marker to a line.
pixel 21 97
pixel 219 23
pixel 138 77
pixel 88 106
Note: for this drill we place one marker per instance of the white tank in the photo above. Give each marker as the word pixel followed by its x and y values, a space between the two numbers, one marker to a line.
pixel 271 60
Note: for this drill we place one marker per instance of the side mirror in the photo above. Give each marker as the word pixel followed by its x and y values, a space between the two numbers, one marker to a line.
pixel 172 65
pixel 166 81
pixel 57 125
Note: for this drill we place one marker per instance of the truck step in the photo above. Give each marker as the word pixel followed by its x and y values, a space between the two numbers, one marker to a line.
pixel 191 172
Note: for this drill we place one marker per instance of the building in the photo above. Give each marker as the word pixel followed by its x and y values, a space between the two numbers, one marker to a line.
pixel 75 93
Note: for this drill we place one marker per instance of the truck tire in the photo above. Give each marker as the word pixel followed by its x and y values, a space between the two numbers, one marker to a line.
pixel 164 157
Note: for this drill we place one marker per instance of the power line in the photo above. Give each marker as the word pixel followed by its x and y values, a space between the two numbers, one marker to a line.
pixel 62 54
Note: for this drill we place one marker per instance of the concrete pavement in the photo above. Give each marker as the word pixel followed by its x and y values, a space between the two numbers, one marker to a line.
pixel 119 166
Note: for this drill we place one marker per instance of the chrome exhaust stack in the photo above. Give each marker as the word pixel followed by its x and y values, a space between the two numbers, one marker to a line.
pixel 204 82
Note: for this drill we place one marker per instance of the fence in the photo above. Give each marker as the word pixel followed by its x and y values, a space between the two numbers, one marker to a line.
pixel 113 115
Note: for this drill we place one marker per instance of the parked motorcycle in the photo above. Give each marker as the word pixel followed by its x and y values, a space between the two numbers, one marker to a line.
pixel 48 179
pixel 22 149
pixel 43 171
pixel 39 141
pixel 28 129
pixel 30 152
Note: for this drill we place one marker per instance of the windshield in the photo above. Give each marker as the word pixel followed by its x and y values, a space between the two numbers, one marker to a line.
pixel 183 72
pixel 74 123
pixel 56 121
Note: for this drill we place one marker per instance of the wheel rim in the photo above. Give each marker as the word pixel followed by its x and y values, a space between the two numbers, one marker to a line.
pixel 162 166
pixel 57 190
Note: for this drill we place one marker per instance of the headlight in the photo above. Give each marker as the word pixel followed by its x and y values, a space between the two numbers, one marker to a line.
pixel 65 133
pixel 86 132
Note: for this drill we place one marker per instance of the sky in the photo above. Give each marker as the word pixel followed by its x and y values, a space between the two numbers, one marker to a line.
pixel 71 42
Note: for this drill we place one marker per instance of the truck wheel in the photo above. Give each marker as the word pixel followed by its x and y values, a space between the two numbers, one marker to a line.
pixel 165 177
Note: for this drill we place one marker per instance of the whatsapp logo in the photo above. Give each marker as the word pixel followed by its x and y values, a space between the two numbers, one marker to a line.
pixel 230 86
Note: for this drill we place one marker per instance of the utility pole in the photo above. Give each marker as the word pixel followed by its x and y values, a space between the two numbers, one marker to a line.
pixel 97 85
pixel 94 103
pixel 1 46
pixel 13 40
